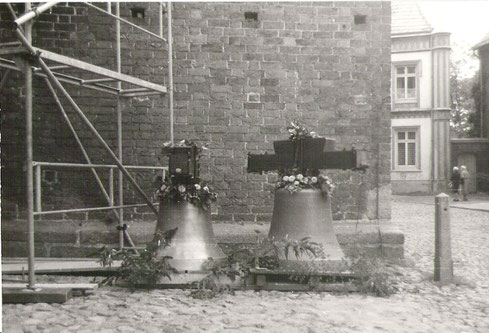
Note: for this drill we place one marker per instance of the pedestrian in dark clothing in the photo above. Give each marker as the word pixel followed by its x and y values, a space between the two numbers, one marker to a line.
pixel 455 183
pixel 464 182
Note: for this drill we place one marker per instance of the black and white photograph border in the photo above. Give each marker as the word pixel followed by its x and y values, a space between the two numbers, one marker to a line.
pixel 238 166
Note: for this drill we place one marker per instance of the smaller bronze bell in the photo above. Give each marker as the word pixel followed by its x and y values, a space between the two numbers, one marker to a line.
pixel 194 241
pixel 306 213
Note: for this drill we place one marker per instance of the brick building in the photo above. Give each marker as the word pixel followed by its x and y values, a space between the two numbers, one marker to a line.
pixel 242 72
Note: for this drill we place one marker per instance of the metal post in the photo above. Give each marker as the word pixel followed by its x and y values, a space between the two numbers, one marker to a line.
pixel 119 124
pixel 38 188
pixel 87 122
pixel 111 186
pixel 29 171
pixel 443 249
pixel 170 70
pixel 161 19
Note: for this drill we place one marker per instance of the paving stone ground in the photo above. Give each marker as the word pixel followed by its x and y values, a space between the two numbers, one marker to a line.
pixel 419 305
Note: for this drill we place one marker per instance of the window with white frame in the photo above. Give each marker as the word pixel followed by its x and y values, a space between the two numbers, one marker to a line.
pixel 405 83
pixel 406 148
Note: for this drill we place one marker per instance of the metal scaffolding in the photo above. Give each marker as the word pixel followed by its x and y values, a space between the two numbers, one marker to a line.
pixel 35 62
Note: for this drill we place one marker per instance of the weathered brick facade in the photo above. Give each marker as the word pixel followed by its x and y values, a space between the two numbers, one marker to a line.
pixel 238 83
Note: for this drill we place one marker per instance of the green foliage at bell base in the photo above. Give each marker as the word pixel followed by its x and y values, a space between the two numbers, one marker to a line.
pixel 142 269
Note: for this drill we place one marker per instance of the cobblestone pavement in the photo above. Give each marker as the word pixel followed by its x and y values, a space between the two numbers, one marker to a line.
pixel 419 306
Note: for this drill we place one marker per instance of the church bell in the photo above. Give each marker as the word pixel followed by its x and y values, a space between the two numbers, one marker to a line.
pixel 194 241
pixel 306 213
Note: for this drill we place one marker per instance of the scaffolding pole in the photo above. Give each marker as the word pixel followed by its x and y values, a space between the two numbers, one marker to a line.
pixel 29 15
pixel 87 122
pixel 119 125
pixel 29 171
pixel 170 70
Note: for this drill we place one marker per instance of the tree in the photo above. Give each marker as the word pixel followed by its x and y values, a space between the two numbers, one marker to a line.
pixel 463 104
pixel 464 92
pixel 474 118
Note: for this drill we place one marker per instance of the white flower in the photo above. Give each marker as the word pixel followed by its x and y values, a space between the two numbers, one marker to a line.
pixel 206 189
pixel 291 178
pixel 197 187
pixel 163 188
pixel 300 177
pixel 178 170
pixel 181 188
pixel 285 178
pixel 296 183
pixel 314 180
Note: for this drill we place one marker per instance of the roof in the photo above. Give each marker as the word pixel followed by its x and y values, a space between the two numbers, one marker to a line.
pixel 408 19
pixel 483 42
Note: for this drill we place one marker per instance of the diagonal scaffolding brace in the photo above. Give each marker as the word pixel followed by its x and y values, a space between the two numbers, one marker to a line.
pixel 99 79
pixel 87 122
pixel 87 159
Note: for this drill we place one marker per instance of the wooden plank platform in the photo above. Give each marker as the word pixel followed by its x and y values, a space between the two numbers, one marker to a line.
pixel 54 265
pixel 292 280
pixel 81 288
pixel 41 295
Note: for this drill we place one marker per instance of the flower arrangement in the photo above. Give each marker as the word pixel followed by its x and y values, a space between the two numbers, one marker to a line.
pixel 167 146
pixel 183 183
pixel 294 182
pixel 296 179
pixel 298 131
pixel 197 193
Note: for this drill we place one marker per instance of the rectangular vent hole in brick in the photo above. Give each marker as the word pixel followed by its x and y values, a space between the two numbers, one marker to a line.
pixel 251 16
pixel 360 19
pixel 137 12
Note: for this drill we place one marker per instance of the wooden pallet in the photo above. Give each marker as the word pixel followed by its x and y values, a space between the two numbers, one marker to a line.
pixel 54 265
pixel 18 292
pixel 290 280
pixel 23 295
pixel 77 288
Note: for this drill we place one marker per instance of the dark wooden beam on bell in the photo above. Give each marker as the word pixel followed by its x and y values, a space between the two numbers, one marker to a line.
pixel 183 162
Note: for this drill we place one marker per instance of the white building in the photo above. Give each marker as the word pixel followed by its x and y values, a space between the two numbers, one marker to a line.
pixel 420 103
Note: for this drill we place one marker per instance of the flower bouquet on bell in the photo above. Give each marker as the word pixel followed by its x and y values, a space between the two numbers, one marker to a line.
pixel 298 131
pixel 293 181
pixel 197 193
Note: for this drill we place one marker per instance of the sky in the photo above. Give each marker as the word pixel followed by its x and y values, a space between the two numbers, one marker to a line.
pixel 467 21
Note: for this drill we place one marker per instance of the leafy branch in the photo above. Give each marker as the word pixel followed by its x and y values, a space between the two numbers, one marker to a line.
pixel 145 268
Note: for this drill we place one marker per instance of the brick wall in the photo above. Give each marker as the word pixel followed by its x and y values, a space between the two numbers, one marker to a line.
pixel 238 83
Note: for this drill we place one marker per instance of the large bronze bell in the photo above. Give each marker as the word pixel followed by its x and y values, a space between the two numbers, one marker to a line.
pixel 194 241
pixel 306 213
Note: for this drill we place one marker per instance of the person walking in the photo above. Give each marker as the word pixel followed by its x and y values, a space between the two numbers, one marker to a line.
pixel 455 183
pixel 464 182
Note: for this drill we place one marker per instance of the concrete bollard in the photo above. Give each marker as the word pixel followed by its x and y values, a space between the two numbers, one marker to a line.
pixel 443 248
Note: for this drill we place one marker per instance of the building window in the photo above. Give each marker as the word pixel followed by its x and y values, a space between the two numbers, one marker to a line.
pixel 406 149
pixel 405 83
